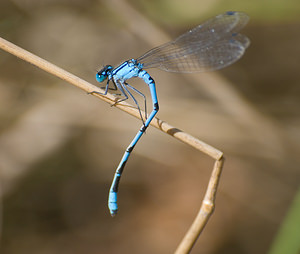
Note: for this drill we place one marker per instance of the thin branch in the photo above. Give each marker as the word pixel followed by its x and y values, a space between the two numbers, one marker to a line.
pixel 206 210
pixel 208 203
pixel 109 98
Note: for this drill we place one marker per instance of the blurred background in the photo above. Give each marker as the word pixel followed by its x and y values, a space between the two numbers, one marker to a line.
pixel 59 147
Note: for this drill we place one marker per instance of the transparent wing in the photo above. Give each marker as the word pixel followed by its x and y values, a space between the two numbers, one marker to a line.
pixel 210 46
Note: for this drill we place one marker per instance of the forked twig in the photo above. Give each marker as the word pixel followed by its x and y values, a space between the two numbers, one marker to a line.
pixel 208 203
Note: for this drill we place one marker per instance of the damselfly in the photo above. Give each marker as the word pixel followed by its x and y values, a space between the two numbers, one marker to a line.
pixel 211 46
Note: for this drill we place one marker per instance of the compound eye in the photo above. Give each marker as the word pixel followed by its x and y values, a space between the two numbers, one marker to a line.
pixel 100 77
pixel 103 73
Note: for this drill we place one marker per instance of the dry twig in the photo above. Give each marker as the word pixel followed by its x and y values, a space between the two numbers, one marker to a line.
pixel 209 200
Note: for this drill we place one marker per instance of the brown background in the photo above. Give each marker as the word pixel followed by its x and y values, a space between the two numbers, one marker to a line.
pixel 59 147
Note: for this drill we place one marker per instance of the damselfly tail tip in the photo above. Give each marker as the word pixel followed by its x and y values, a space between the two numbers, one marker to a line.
pixel 112 203
pixel 113 213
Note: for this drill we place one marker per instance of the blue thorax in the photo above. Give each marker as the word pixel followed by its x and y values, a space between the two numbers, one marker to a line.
pixel 126 70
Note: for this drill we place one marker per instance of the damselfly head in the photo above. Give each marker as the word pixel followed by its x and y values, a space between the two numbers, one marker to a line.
pixel 103 73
